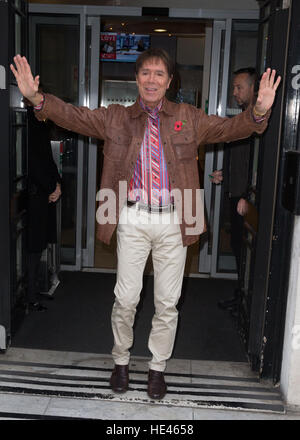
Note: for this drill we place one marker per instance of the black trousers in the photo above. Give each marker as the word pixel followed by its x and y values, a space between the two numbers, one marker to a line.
pixel 33 272
pixel 236 240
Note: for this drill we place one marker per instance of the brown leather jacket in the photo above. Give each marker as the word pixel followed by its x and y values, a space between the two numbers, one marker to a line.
pixel 122 129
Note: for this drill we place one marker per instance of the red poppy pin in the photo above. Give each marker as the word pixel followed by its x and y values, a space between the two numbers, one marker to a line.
pixel 178 125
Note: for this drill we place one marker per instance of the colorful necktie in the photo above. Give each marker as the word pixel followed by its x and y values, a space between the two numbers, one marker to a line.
pixel 150 181
pixel 155 184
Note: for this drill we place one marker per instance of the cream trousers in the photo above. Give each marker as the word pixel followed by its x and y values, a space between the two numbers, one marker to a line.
pixel 138 233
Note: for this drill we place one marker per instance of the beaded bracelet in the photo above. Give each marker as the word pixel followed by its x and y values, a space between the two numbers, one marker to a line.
pixel 41 104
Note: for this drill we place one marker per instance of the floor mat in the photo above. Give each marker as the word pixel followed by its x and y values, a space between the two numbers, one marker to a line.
pixel 78 319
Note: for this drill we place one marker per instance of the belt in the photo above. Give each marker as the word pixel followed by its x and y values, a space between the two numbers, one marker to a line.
pixel 151 208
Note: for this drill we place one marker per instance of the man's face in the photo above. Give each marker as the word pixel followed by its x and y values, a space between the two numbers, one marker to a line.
pixel 243 90
pixel 153 80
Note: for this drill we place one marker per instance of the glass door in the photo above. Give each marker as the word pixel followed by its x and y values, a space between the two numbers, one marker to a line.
pixel 234 47
pixel 73 43
pixel 57 49
pixel 214 153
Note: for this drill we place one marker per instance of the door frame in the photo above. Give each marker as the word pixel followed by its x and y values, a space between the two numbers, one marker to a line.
pixel 276 224
pixel 208 257
pixel 13 177
pixel 225 17
pixel 88 252
pixel 81 101
pixel 91 15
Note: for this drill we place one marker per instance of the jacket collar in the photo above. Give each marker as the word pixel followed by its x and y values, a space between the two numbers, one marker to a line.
pixel 167 107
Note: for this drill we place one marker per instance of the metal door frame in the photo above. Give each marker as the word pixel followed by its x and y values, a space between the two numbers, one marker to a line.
pixel 89 251
pixel 208 260
pixel 91 15
pixel 221 111
pixel 276 223
pixel 12 196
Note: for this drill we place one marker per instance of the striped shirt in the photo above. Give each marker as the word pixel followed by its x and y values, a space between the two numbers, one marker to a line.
pixel 143 187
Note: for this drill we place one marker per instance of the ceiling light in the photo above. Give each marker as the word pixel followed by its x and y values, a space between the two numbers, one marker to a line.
pixel 160 30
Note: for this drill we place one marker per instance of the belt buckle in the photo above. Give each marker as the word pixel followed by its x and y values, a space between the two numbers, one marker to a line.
pixel 161 209
pixel 151 208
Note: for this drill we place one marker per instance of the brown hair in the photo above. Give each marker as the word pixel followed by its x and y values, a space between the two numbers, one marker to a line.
pixel 158 54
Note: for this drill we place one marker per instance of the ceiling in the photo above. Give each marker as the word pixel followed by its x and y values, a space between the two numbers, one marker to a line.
pixel 146 25
pixel 203 4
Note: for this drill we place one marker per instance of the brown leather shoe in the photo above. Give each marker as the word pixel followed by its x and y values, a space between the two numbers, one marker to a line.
pixel 119 379
pixel 157 387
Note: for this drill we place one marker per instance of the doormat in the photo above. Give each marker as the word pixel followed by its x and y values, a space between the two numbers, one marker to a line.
pixel 90 380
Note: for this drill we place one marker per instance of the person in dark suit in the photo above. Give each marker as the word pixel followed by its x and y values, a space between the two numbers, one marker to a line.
pixel 245 87
pixel 44 189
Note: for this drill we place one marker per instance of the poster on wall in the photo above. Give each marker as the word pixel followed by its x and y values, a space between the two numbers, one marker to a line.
pixel 122 47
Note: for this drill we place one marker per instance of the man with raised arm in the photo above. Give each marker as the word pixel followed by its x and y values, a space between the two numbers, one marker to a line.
pixel 150 149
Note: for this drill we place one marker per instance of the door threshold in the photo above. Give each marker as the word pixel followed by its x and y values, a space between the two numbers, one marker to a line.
pixel 191 383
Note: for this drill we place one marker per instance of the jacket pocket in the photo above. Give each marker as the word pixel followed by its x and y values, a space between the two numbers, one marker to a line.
pixel 184 145
pixel 116 144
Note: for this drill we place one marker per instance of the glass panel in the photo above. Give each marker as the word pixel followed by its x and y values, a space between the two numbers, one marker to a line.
pixel 189 71
pixel 57 61
pixel 236 178
pixel 243 53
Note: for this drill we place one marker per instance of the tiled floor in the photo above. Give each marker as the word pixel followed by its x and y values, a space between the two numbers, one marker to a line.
pixel 39 384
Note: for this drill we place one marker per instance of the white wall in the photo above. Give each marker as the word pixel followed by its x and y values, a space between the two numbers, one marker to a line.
pixel 290 373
